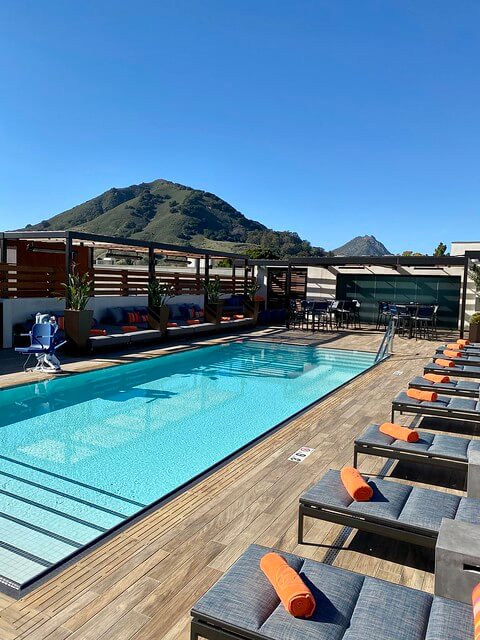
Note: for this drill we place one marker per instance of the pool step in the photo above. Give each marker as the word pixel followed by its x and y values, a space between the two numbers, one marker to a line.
pixel 46 517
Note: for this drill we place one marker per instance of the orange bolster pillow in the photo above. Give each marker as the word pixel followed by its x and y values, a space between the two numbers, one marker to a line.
pixel 427 396
pixel 355 485
pixel 444 363
pixel 238 316
pixel 172 324
pixel 193 322
pixel 452 354
pixel 436 377
pixel 455 347
pixel 463 343
pixel 129 329
pixel 226 318
pixel 476 612
pixel 98 332
pixel 294 594
pixel 398 432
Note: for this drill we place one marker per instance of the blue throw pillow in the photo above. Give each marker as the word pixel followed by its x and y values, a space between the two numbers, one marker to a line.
pixel 115 314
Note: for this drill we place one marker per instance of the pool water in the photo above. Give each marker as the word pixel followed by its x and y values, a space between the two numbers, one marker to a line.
pixel 79 455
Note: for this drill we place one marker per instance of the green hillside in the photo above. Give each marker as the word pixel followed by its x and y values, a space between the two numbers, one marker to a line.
pixel 164 211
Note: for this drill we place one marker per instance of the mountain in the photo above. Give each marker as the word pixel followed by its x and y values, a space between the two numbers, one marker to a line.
pixel 362 246
pixel 168 212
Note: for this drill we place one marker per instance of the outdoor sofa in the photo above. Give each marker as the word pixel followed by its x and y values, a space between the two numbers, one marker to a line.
pixel 401 511
pixel 467 409
pixel 243 605
pixel 430 449
pixel 466 388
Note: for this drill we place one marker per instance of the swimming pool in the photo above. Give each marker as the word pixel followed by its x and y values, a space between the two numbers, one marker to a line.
pixel 83 454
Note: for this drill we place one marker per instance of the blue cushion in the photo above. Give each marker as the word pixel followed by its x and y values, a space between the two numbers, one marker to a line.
pixel 425 508
pixel 449 619
pixel 389 611
pixel 115 315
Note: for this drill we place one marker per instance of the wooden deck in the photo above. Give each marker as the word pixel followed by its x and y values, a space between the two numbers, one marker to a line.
pixel 141 584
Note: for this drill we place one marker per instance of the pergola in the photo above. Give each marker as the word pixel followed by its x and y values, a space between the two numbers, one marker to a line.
pixel 152 250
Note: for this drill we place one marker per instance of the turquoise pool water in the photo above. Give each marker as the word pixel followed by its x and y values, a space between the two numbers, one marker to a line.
pixel 79 455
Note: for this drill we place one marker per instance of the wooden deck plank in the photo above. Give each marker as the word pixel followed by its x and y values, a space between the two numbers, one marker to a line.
pixel 141 584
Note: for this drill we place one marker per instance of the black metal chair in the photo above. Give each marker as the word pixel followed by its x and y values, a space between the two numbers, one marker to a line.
pixel 423 322
pixel 383 314
pixel 402 316
pixel 320 315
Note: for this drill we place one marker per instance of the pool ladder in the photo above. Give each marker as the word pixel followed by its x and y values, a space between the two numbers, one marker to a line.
pixel 385 348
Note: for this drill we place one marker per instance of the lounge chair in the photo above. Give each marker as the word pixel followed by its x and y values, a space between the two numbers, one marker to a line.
pixel 430 449
pixel 444 407
pixel 466 358
pixel 401 511
pixel 462 371
pixel 243 605
pixel 464 388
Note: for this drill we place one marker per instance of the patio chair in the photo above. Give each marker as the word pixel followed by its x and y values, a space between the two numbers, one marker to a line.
pixel 423 322
pixel 464 388
pixel 467 409
pixel 459 370
pixel 320 315
pixel 402 317
pixel 297 314
pixel 383 315
pixel 430 449
pixel 396 510
pixel 243 605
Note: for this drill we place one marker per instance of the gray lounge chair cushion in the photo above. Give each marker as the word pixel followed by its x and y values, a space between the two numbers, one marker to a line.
pixel 459 405
pixel 349 606
pixel 452 386
pixel 394 503
pixel 458 370
pixel 445 621
pixel 440 445
pixel 473 358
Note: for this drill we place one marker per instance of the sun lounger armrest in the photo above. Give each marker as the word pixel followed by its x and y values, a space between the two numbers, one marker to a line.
pixel 457 560
pixel 473 477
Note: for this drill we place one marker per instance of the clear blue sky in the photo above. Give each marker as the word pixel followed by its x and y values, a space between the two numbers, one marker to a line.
pixel 330 118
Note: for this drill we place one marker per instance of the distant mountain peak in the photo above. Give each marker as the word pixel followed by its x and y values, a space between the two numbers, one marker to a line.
pixel 362 246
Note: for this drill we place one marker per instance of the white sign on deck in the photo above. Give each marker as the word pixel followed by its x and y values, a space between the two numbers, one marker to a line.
pixel 301 454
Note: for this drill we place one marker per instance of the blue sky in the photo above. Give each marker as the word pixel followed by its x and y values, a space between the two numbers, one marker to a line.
pixel 330 118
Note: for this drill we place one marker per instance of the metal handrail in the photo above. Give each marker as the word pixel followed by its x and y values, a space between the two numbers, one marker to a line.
pixel 385 348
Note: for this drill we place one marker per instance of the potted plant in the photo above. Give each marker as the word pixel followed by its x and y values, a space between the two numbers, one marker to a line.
pixel 78 319
pixel 159 294
pixel 213 304
pixel 252 302
pixel 474 329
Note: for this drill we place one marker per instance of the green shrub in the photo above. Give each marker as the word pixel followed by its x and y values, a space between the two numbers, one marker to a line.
pixel 475 319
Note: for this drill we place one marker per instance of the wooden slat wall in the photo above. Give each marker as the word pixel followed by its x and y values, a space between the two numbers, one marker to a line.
pixel 39 282
pixel 30 282
pixel 126 282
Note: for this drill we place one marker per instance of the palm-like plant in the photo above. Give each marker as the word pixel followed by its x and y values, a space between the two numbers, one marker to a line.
pixel 159 293
pixel 79 289
pixel 252 289
pixel 212 288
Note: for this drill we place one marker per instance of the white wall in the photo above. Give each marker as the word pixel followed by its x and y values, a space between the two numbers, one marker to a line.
pixel 17 310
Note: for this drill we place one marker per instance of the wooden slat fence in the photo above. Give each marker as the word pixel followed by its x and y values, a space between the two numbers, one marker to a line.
pixel 30 282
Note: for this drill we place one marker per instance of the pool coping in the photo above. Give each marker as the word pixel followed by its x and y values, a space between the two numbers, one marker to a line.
pixel 17 591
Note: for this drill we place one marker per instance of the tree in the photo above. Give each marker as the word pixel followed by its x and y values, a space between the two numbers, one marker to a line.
pixel 407 254
pixel 261 253
pixel 441 250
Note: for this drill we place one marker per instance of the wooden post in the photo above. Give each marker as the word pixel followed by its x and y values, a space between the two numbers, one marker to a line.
pixel 234 286
pixel 464 296
pixel 151 268
pixel 124 284
pixel 3 248
pixel 68 265
pixel 288 285
pixel 245 277
pixel 206 278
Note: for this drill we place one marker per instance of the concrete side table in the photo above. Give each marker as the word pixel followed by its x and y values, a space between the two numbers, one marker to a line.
pixel 457 560
pixel 473 476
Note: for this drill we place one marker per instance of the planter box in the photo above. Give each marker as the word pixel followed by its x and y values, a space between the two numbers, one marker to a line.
pixel 77 328
pixel 158 318
pixel 474 333
pixel 251 309
pixel 213 312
